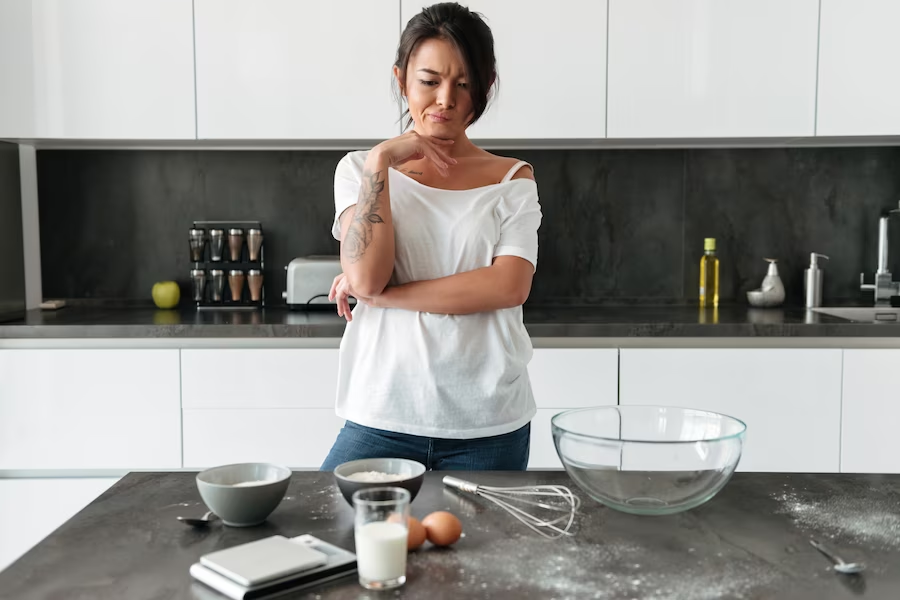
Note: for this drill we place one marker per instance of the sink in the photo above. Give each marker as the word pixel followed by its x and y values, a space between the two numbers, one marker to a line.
pixel 869 314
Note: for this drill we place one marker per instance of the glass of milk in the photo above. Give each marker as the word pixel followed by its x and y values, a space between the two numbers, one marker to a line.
pixel 380 528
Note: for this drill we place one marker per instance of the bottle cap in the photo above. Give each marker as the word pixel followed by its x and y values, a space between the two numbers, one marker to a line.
pixel 709 244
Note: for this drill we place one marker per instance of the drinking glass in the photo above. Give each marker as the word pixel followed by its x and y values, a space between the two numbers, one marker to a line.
pixel 380 529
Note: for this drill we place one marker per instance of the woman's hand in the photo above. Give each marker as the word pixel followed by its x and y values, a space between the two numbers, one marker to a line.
pixel 341 290
pixel 412 146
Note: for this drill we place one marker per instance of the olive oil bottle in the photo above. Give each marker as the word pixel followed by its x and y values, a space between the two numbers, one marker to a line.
pixel 709 274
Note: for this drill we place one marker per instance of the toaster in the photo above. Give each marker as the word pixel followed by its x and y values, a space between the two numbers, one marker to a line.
pixel 309 280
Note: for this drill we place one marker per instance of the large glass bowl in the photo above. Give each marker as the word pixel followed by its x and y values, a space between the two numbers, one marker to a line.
pixel 648 460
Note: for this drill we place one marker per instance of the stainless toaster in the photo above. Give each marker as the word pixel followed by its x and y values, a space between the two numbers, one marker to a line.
pixel 309 280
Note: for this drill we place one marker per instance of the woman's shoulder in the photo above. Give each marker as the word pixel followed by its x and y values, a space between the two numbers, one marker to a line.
pixel 503 165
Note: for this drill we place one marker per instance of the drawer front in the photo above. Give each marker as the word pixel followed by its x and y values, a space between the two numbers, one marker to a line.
pixel 574 377
pixel 89 409
pixel 296 438
pixel 259 378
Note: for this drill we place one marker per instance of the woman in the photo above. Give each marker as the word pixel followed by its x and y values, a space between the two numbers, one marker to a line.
pixel 439 247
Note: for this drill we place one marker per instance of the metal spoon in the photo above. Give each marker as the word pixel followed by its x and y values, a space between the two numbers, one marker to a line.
pixel 203 521
pixel 839 565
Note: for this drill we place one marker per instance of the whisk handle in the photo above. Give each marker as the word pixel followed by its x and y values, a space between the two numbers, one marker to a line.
pixel 460 484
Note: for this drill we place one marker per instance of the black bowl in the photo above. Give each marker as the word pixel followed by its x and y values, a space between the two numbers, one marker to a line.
pixel 413 471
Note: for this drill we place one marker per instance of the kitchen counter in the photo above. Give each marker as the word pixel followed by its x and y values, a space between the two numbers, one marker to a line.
pixel 583 322
pixel 751 541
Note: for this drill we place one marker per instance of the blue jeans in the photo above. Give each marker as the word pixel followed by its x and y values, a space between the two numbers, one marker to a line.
pixel 507 452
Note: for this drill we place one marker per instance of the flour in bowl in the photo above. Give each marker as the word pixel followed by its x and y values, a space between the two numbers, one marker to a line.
pixel 250 483
pixel 375 477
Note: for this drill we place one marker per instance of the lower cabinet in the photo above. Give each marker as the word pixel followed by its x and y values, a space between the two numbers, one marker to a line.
pixel 31 509
pixel 870 412
pixel 567 378
pixel 296 438
pixel 89 409
pixel 790 399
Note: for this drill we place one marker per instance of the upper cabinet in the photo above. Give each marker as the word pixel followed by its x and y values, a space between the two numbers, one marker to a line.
pixel 282 69
pixel 711 68
pixel 552 67
pixel 96 69
pixel 859 68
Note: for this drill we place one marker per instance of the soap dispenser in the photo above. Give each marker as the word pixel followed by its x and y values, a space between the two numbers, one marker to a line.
pixel 812 281
pixel 771 292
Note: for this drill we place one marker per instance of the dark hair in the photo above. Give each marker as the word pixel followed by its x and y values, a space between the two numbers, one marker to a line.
pixel 472 37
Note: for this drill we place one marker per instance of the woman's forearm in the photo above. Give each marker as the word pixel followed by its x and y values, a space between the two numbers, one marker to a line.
pixel 490 288
pixel 367 231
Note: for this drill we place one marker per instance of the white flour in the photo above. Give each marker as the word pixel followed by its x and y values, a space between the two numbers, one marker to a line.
pixel 375 476
pixel 604 572
pixel 868 521
pixel 250 483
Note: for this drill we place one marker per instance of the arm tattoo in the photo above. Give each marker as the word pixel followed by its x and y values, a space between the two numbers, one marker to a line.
pixel 359 234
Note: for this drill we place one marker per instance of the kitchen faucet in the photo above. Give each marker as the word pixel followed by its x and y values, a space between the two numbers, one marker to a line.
pixel 884 287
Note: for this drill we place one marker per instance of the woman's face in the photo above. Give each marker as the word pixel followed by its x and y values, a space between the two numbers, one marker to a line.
pixel 437 90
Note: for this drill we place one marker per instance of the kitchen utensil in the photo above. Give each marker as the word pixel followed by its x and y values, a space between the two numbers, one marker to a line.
pixel 203 521
pixel 254 243
pixel 198 244
pixel 243 494
pixel 648 460
pixel 235 243
pixel 216 244
pixel 198 284
pixel 552 498
pixel 380 528
pixel 217 284
pixel 412 471
pixel 255 282
pixel 236 283
pixel 840 565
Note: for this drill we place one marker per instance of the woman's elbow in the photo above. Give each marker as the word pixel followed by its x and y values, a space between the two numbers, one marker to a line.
pixel 366 286
pixel 517 295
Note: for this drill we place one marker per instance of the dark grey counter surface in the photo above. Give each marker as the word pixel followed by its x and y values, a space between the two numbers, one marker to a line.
pixel 612 321
pixel 750 541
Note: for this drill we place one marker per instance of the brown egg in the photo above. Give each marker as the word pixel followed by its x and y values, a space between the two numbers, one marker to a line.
pixel 443 528
pixel 417 534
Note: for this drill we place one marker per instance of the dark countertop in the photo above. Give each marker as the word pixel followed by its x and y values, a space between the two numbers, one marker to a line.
pixel 750 541
pixel 600 321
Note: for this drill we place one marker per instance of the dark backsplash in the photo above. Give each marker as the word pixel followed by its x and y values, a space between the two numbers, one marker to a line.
pixel 619 225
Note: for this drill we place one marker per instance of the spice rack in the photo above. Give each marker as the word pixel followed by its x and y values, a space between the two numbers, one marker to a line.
pixel 215 281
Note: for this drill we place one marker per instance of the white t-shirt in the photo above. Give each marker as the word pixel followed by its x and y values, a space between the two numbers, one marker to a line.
pixel 429 374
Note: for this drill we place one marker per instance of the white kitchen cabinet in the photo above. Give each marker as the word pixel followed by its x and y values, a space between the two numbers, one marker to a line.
pixel 97 69
pixel 870 412
pixel 543 452
pixel 790 399
pixel 31 509
pixel 547 60
pixel 859 68
pixel 259 378
pixel 565 378
pixel 574 377
pixel 89 409
pixel 296 438
pixel 711 68
pixel 282 69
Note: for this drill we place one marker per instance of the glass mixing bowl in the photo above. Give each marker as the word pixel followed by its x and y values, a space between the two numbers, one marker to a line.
pixel 648 460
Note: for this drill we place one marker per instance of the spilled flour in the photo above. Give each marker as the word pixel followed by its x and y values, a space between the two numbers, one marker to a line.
pixel 601 572
pixel 862 521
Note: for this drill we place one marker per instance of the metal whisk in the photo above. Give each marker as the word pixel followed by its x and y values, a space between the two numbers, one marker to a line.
pixel 565 502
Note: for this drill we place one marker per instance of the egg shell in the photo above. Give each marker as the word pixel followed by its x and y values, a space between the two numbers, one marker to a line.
pixel 442 528
pixel 417 534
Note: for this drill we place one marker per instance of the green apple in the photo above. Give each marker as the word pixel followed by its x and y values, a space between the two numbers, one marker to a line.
pixel 166 294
